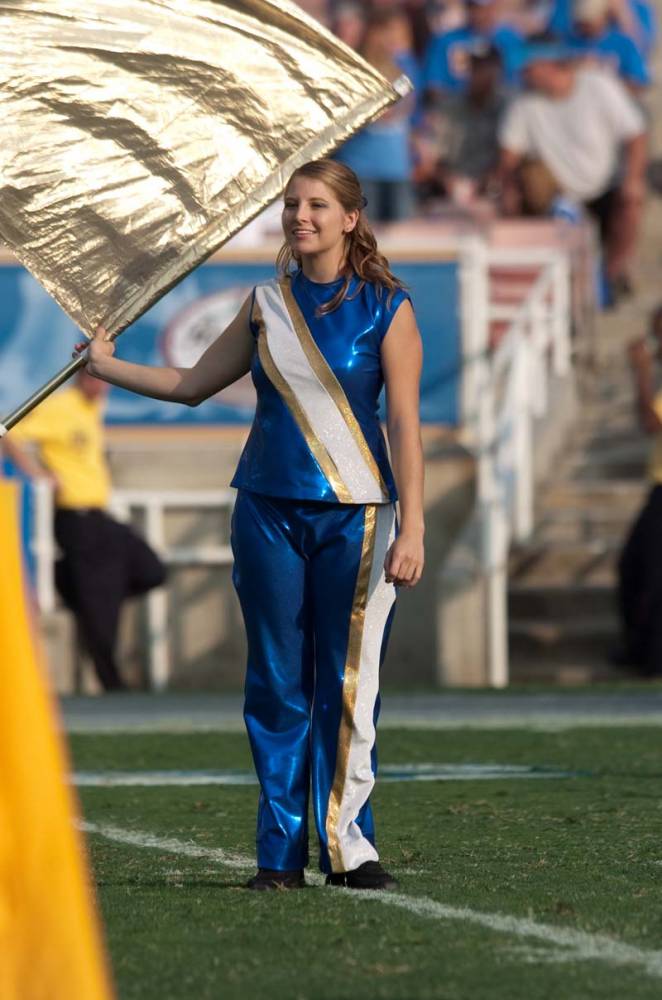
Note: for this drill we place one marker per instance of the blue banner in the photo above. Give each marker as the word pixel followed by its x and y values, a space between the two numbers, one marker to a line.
pixel 36 339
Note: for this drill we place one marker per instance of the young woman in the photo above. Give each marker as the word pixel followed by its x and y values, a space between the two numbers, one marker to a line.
pixel 317 555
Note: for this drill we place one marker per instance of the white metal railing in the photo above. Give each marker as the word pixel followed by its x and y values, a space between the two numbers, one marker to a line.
pixel 152 507
pixel 504 391
pixel 42 545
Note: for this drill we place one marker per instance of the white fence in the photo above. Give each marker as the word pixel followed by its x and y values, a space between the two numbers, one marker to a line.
pixel 504 390
pixel 150 507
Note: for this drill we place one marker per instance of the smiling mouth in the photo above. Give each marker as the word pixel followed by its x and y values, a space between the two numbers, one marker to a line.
pixel 303 232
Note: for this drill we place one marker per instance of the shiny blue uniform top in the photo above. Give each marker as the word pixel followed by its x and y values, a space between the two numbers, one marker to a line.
pixel 276 459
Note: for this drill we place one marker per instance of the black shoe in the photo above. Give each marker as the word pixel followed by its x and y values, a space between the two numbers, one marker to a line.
pixel 369 875
pixel 268 879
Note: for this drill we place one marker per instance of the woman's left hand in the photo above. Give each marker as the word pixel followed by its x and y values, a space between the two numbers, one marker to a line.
pixel 403 565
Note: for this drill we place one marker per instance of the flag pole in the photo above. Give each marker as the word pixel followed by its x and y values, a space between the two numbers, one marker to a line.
pixel 47 389
pixel 41 394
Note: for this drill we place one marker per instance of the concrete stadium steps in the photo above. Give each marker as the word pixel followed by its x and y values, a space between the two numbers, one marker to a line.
pixel 562 633
pixel 569 659
pixel 562 603
pixel 607 445
pixel 561 607
pixel 610 459
pixel 612 494
pixel 582 511
pixel 563 564
pixel 563 620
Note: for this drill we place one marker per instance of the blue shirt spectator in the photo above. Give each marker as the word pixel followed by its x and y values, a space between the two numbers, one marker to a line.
pixel 381 152
pixel 409 65
pixel 594 34
pixel 447 58
pixel 646 23
pixel 617 51
pixel 642 18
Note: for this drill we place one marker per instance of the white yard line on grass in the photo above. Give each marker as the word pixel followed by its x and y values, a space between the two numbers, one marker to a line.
pixel 135 838
pixel 387 773
pixel 577 945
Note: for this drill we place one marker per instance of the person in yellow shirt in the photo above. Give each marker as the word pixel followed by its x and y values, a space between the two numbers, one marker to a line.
pixel 640 563
pixel 103 562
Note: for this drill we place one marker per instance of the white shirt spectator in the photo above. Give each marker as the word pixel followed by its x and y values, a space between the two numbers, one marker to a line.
pixel 578 137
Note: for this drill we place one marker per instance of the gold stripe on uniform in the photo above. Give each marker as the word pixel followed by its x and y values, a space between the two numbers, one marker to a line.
pixel 324 460
pixel 324 373
pixel 350 687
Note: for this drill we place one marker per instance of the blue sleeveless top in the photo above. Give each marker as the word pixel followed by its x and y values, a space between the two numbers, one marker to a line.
pixel 277 459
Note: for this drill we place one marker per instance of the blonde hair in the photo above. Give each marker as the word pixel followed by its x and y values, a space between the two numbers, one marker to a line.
pixel 361 256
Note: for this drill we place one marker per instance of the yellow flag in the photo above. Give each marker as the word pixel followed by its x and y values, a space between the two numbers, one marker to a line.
pixel 50 944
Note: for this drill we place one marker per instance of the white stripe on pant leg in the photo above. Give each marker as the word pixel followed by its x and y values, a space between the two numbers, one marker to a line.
pixel 348 848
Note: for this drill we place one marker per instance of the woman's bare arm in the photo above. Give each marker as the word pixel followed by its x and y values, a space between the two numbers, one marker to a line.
pixel 402 358
pixel 224 361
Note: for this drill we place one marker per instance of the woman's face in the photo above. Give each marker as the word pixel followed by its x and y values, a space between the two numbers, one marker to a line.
pixel 313 219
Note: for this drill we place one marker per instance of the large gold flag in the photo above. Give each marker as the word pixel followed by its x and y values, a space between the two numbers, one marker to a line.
pixel 50 947
pixel 137 136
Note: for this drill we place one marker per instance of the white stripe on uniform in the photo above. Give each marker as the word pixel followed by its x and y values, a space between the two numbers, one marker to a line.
pixel 359 780
pixel 326 421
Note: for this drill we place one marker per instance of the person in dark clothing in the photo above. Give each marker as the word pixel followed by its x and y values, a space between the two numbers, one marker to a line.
pixel 640 563
pixel 102 562
pixel 458 140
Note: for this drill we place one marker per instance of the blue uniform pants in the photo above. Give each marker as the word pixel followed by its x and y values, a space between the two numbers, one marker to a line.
pixel 317 611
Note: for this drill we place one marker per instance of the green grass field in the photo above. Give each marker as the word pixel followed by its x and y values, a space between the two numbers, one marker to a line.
pixel 512 889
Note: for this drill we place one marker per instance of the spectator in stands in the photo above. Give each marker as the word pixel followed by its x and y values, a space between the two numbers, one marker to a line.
pixel 348 23
pixel 421 14
pixel 445 15
pixel 458 142
pixel 579 134
pixel 446 66
pixel 103 562
pixel 380 154
pixel 390 32
pixel 635 18
pixel 640 564
pixel 319 9
pixel 595 36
